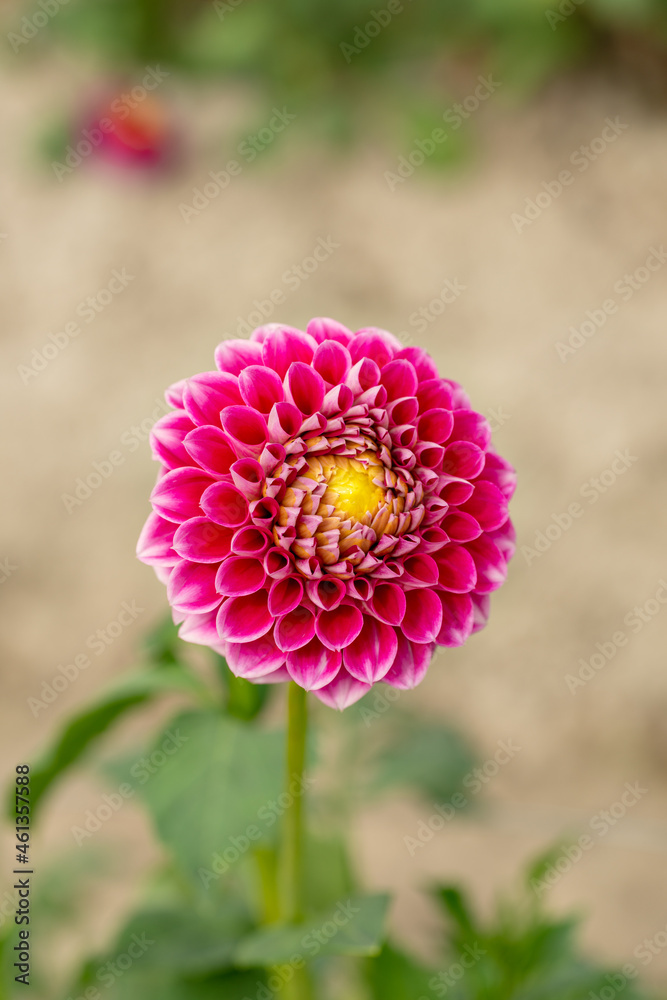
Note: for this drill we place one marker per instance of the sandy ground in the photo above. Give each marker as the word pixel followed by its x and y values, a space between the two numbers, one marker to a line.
pixel 562 423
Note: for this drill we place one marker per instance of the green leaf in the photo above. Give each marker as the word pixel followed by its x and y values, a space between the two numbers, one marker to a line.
pixel 245 700
pixel 431 757
pixel 216 797
pixel 92 722
pixel 394 975
pixel 140 982
pixel 327 874
pixel 353 927
pixel 458 910
pixel 184 940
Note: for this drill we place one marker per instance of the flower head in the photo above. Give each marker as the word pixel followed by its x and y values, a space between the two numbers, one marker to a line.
pixel 328 509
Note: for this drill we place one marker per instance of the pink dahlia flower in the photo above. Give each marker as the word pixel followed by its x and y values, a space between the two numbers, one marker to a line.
pixel 328 509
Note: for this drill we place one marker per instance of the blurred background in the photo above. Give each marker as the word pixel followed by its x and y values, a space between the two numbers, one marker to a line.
pixel 485 180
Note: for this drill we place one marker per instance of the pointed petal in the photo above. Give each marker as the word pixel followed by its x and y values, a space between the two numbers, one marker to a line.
pixel 155 545
pixel 295 629
pixel 206 394
pixel 191 587
pixel 201 540
pixel 239 575
pixel 224 504
pixel 411 663
pixel 285 344
pixel 176 495
pixel 343 691
pixel 210 449
pixel 370 656
pixel 255 659
pixel 313 665
pixel 423 616
pixel 234 355
pixel 246 430
pixel 260 387
pixel 285 595
pixel 457 571
pixel 338 628
pixel 242 619
pixel 457 619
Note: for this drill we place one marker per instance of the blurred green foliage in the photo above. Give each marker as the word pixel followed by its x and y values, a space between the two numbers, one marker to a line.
pixel 352 65
pixel 207 924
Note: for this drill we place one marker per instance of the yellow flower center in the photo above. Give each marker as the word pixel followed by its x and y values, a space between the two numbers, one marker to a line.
pixel 356 493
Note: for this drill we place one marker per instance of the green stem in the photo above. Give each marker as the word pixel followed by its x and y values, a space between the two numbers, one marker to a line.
pixel 292 860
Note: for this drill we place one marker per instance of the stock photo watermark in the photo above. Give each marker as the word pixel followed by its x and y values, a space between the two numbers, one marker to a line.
pixel 624 288
pixel 97 642
pixel 599 825
pixel 267 816
pixel 142 771
pixel 605 651
pixel 581 159
pixel 87 310
pixel 32 24
pixel 291 279
pixel 473 782
pixel 102 469
pixel 248 150
pixel 454 117
pixel 592 490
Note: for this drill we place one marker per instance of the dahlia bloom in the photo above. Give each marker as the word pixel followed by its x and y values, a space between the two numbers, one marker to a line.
pixel 139 135
pixel 328 509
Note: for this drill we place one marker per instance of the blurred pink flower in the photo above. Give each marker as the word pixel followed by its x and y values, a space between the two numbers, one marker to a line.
pixel 328 509
pixel 133 134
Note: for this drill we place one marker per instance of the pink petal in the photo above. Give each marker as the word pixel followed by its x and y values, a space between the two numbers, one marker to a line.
pixel 423 364
pixel 455 491
pixel 388 603
pixel 403 410
pixel 250 541
pixel 487 505
pixel 337 400
pixel 460 527
pixel 285 595
pixel 338 628
pixel 481 605
pixel 200 540
pixel 313 666
pixel 496 470
pixel 206 394
pixel 224 504
pixel 362 376
pixel 260 388
pixel 277 564
pixel 304 387
pixel 255 659
pixel 457 569
pixel 332 361
pixel 174 394
pixel 471 426
pixel 176 495
pixel 433 539
pixel 343 691
pixel 239 575
pixel 460 400
pixel 399 379
pixel 285 344
pixel 411 663
pixel 421 570
pixel 423 616
pixel 371 343
pixel 295 629
pixel 433 394
pixel 200 629
pixel 326 594
pixel 273 455
pixel 284 422
pixel 191 587
pixel 155 545
pixel 166 438
pixel 371 654
pixel 246 429
pixel 489 562
pixel 323 328
pixel 210 449
pixel 429 455
pixel 457 619
pixel 242 619
pixel 435 425
pixel 248 476
pixel 463 459
pixel 505 538
pixel 234 355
